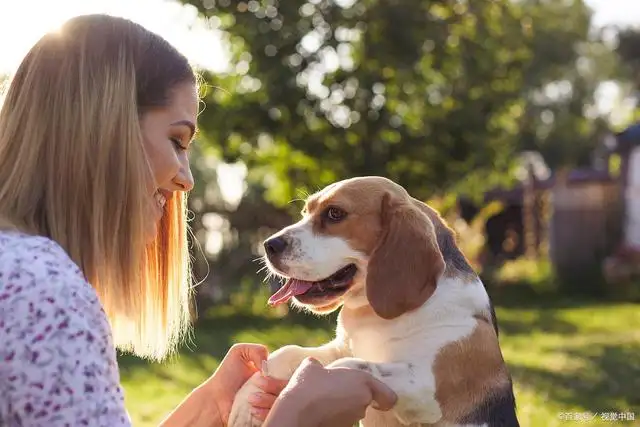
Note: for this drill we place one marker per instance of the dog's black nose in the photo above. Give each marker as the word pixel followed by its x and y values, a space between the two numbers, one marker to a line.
pixel 275 245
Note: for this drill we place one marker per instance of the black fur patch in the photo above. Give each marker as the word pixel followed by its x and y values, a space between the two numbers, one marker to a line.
pixel 499 410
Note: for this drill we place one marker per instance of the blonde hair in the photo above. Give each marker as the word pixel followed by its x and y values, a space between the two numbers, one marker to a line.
pixel 73 168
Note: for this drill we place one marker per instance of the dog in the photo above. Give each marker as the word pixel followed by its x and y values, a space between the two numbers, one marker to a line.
pixel 413 312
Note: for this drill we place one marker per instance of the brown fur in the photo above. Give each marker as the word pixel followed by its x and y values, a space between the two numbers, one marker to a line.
pixel 468 372
pixel 362 226
pixel 384 222
pixel 407 255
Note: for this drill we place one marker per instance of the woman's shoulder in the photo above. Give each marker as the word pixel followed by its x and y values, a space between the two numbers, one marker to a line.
pixel 36 269
pixel 57 360
pixel 33 255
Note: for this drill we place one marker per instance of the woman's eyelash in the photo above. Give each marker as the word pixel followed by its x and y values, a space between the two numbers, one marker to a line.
pixel 178 144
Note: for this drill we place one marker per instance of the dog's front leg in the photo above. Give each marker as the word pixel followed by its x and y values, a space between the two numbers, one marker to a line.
pixel 414 386
pixel 281 364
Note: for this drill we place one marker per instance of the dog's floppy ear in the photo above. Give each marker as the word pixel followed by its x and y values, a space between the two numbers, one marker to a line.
pixel 404 268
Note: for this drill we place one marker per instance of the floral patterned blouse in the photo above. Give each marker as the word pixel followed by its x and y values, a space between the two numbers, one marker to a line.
pixel 58 363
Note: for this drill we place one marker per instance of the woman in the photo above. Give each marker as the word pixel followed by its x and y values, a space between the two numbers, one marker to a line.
pixel 95 130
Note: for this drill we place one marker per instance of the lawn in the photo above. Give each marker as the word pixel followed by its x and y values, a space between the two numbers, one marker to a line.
pixel 565 358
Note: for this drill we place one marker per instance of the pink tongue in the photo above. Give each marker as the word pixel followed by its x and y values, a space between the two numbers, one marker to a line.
pixel 289 290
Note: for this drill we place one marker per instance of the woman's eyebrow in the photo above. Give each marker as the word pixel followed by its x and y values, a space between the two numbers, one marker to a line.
pixel 187 123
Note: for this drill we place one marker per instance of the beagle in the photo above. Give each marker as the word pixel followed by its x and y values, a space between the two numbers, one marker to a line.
pixel 413 313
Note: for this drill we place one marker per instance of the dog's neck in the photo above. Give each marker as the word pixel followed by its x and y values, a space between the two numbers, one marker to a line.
pixel 456 296
pixel 454 305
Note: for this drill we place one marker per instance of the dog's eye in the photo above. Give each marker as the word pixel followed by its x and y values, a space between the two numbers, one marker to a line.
pixel 335 214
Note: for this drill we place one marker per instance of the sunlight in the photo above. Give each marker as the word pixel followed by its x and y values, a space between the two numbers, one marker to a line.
pixel 27 21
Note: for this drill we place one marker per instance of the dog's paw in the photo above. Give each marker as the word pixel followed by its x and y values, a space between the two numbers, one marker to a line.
pixel 283 362
pixel 240 415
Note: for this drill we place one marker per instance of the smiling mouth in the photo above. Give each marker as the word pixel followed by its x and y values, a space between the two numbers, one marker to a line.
pixel 307 291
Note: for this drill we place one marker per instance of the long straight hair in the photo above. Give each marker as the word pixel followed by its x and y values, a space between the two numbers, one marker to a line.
pixel 73 168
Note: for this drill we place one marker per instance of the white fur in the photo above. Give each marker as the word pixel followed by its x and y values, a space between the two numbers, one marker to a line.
pixel 415 338
pixel 399 352
pixel 240 415
pixel 311 256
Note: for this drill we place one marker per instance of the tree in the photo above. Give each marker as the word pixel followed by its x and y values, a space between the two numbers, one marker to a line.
pixel 628 50
pixel 436 95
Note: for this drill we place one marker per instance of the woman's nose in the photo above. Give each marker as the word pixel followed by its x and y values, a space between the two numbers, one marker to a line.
pixel 184 178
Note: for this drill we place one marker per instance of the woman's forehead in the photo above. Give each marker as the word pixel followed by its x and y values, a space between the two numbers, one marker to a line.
pixel 183 102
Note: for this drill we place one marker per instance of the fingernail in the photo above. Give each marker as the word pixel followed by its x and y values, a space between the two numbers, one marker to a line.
pixel 265 368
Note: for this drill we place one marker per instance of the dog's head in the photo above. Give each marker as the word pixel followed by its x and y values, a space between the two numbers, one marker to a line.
pixel 360 241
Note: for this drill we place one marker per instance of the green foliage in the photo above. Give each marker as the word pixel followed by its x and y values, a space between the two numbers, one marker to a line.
pixel 439 96
pixel 248 301
pixel 425 93
pixel 536 273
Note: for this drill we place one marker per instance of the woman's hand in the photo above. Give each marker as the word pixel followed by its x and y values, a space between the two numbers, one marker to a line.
pixel 240 363
pixel 262 402
pixel 210 403
pixel 323 397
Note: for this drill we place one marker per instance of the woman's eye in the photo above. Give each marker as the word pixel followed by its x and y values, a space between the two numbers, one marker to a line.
pixel 178 144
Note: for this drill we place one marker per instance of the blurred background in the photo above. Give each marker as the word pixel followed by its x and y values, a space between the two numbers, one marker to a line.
pixel 517 119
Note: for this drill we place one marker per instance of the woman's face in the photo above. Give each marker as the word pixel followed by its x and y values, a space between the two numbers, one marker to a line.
pixel 167 133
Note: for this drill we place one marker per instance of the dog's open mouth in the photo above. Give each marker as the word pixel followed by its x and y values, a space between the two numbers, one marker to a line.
pixel 333 286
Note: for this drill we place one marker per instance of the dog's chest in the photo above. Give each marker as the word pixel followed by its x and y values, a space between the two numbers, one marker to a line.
pixel 367 340
pixel 379 341
pixel 370 344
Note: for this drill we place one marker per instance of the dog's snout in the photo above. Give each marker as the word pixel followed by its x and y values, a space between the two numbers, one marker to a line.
pixel 275 246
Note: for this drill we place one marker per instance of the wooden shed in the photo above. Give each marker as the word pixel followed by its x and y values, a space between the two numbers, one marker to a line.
pixel 584 225
pixel 577 213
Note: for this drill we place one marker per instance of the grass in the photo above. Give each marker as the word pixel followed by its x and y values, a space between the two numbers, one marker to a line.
pixel 565 357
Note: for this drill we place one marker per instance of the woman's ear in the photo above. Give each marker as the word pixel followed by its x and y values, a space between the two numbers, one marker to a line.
pixel 405 266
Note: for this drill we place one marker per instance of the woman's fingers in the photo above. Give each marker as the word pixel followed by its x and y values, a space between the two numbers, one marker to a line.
pixel 261 403
pixel 383 398
pixel 260 413
pixel 252 354
pixel 271 385
pixel 262 400
pixel 257 354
